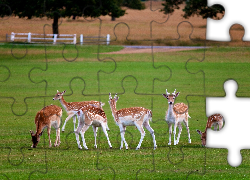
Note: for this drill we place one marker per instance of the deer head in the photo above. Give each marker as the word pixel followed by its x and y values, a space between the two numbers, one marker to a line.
pixel 203 137
pixel 35 139
pixel 59 95
pixel 171 97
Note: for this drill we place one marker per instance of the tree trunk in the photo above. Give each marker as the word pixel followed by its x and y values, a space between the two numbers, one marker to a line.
pixel 55 24
pixel 112 18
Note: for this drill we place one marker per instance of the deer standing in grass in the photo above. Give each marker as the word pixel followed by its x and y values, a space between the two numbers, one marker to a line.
pixel 213 120
pixel 90 115
pixel 175 115
pixel 134 116
pixel 73 107
pixel 47 117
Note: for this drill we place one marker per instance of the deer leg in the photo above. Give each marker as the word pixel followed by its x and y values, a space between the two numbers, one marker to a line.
pixel 179 134
pixel 81 123
pixel 66 120
pixel 95 130
pixel 147 126
pixel 57 142
pixel 140 128
pixel 48 130
pixel 175 126
pixel 186 124
pixel 106 134
pixel 122 131
pixel 74 121
pixel 170 132
pixel 84 128
pixel 56 126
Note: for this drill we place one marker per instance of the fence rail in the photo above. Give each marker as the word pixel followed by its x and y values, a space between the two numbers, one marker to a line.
pixel 55 38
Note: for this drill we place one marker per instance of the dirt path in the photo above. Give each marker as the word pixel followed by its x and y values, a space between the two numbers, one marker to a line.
pixel 143 49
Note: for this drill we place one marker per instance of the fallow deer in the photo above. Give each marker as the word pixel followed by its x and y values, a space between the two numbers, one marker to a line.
pixel 134 116
pixel 175 115
pixel 73 106
pixel 47 117
pixel 213 120
pixel 90 115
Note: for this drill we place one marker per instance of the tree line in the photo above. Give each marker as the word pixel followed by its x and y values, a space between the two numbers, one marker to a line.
pixel 56 9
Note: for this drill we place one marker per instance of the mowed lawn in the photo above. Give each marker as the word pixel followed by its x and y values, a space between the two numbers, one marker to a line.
pixel 31 75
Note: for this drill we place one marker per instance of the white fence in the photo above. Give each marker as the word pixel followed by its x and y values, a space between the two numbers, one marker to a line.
pixel 95 39
pixel 55 38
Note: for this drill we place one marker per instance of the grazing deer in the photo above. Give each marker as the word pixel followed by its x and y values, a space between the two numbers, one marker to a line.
pixel 73 106
pixel 47 117
pixel 134 116
pixel 213 120
pixel 175 115
pixel 90 115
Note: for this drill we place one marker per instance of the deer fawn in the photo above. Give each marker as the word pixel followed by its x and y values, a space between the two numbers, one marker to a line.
pixel 90 115
pixel 47 117
pixel 134 116
pixel 73 106
pixel 175 115
pixel 213 120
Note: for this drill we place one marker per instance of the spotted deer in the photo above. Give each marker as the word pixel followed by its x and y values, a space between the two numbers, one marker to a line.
pixel 90 115
pixel 73 106
pixel 47 117
pixel 134 116
pixel 213 120
pixel 175 115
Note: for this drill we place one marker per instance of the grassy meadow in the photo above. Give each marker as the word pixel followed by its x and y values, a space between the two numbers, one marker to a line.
pixel 30 76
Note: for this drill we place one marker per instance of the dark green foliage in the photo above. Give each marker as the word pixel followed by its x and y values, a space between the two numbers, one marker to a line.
pixel 134 4
pixel 193 7
pixel 60 8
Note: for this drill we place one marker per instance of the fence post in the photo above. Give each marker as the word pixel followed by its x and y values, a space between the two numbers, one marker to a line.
pixel 29 37
pixel 55 37
pixel 108 39
pixel 81 39
pixel 12 36
pixel 74 41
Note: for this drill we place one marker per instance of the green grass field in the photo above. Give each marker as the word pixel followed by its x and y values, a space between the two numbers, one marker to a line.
pixel 31 75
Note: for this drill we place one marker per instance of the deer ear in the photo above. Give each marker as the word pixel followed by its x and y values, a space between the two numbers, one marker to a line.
pixel 199 132
pixel 164 95
pixel 57 91
pixel 64 92
pixel 177 94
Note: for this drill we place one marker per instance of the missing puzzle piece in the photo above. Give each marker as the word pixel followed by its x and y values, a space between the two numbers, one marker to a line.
pixel 234 110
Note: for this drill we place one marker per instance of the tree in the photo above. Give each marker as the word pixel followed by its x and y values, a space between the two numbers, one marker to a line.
pixel 56 9
pixel 193 7
pixel 133 4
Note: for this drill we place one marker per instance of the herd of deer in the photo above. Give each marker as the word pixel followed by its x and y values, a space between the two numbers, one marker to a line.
pixel 91 113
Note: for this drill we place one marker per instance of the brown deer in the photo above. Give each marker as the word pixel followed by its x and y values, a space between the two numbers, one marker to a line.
pixel 47 117
pixel 74 106
pixel 90 115
pixel 175 115
pixel 134 116
pixel 213 120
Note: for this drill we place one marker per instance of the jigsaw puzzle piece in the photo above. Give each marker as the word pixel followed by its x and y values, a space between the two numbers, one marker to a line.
pixel 80 164
pixel 217 165
pixel 218 30
pixel 128 65
pixel 176 164
pixel 225 139
pixel 11 82
pixel 125 164
pixel 152 17
pixel 22 163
